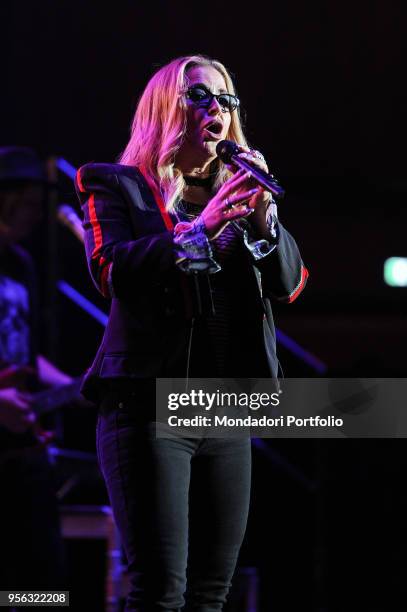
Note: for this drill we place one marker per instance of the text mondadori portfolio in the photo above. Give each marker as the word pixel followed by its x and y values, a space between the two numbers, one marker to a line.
pixel 250 421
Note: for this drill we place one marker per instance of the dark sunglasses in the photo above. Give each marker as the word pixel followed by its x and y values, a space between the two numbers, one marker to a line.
pixel 201 96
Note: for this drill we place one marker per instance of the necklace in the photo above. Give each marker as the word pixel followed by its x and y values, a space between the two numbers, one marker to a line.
pixel 189 208
pixel 198 182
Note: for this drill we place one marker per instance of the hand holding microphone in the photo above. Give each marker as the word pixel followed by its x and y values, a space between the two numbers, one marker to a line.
pixel 230 153
pixel 253 161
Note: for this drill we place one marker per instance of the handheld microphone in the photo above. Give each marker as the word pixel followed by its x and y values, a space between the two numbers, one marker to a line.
pixel 228 152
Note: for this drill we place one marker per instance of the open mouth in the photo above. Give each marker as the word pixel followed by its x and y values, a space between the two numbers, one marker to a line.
pixel 214 128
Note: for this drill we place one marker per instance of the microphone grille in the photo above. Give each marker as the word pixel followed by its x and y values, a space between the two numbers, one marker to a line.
pixel 225 149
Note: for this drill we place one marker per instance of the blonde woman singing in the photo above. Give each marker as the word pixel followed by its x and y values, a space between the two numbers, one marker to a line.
pixel 181 244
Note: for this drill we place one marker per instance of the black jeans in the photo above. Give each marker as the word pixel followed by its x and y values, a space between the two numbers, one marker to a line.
pixel 181 506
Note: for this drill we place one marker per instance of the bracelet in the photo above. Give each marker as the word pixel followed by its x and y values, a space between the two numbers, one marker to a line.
pixel 195 227
pixel 193 250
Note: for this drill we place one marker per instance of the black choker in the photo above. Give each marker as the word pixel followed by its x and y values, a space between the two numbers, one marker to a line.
pixel 198 182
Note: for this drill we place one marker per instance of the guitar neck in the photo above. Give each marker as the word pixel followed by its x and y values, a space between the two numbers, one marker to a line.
pixel 51 399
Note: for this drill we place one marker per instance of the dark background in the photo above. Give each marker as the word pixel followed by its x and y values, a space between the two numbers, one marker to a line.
pixel 321 86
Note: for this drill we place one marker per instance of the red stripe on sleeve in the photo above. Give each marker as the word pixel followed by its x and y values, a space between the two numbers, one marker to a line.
pixel 97 230
pixel 104 285
pixel 300 286
pixel 79 181
pixel 98 241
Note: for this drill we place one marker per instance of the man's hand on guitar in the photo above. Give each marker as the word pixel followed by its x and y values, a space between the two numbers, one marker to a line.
pixel 15 412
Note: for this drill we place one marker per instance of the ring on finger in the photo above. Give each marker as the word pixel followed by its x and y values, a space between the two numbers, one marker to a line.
pixel 228 206
pixel 257 154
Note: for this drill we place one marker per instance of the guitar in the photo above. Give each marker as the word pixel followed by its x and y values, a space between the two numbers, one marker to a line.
pixel 41 402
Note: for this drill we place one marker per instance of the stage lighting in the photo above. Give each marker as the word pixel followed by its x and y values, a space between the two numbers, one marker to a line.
pixel 395 271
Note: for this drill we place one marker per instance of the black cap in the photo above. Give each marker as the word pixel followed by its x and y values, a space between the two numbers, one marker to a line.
pixel 21 164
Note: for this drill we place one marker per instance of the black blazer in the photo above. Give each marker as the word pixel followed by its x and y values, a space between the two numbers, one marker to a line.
pixel 131 260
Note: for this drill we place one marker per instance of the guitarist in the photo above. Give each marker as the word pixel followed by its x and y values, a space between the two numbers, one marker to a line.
pixel 31 556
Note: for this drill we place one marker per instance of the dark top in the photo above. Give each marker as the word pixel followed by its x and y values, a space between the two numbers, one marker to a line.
pixel 229 327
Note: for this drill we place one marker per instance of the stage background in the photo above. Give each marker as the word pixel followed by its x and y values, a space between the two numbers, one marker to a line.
pixel 321 85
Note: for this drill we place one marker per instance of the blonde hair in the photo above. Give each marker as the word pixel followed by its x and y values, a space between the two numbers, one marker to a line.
pixel 159 127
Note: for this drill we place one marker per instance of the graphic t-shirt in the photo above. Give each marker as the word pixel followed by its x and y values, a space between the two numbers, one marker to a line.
pixel 17 323
pixel 17 306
